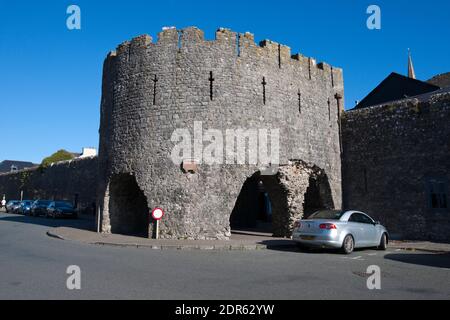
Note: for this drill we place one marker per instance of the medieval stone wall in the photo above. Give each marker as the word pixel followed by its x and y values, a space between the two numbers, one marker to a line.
pixel 391 155
pixel 152 88
pixel 68 180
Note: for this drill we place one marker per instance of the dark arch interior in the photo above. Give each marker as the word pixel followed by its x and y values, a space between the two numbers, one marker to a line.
pixel 318 194
pixel 128 209
pixel 262 204
pixel 254 208
pixel 313 200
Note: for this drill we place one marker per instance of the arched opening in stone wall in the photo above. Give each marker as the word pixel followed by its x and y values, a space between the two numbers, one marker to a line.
pixel 128 209
pixel 273 203
pixel 313 200
pixel 260 199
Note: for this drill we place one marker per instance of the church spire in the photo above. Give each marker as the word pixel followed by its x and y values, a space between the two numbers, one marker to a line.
pixel 411 72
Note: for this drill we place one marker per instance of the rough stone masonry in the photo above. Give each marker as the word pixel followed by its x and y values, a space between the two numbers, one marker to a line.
pixel 396 165
pixel 152 88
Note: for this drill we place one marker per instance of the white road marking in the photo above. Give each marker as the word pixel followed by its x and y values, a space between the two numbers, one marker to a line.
pixel 357 258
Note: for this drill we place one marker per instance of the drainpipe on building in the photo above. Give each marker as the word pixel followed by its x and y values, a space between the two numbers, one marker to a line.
pixel 338 98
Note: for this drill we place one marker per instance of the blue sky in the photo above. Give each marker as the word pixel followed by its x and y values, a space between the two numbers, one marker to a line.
pixel 51 77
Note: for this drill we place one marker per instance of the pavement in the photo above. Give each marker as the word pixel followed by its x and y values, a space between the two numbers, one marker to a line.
pixel 240 240
pixel 35 266
pixel 425 246
pixel 245 240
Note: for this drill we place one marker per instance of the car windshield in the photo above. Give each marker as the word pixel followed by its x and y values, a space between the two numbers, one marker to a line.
pixel 62 204
pixel 327 214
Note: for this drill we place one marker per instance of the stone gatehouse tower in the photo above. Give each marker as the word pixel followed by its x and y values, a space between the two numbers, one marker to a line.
pixel 150 89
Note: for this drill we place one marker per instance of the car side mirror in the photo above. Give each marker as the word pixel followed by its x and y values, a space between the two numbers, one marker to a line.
pixel 377 222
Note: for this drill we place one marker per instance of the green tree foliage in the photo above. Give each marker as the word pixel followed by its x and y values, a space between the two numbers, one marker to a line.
pixel 60 155
pixel 24 176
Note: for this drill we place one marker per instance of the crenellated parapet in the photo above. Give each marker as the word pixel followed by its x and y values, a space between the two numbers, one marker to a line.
pixel 242 45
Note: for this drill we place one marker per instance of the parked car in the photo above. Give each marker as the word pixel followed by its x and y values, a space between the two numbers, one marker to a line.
pixel 61 209
pixel 24 207
pixel 15 208
pixel 39 207
pixel 10 205
pixel 345 230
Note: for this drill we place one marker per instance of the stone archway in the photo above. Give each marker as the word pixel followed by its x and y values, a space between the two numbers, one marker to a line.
pixel 296 190
pixel 260 199
pixel 128 209
pixel 245 211
pixel 307 190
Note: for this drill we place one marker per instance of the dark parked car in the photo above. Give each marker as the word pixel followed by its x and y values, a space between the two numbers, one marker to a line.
pixel 15 208
pixel 61 209
pixel 25 207
pixel 11 204
pixel 39 207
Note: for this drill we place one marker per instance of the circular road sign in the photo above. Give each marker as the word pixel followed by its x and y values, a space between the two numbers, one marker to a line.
pixel 157 213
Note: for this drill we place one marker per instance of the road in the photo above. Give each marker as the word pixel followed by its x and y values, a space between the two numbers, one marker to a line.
pixel 33 266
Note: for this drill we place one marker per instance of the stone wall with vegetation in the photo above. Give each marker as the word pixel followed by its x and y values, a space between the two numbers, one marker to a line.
pixel 68 180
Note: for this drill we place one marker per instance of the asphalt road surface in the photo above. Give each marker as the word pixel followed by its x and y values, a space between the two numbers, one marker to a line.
pixel 33 266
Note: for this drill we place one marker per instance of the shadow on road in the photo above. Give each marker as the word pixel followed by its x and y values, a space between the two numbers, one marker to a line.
pixel 83 222
pixel 280 245
pixel 425 259
pixel 291 246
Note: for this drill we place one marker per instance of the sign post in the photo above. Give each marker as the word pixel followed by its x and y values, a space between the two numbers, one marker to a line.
pixel 99 212
pixel 157 214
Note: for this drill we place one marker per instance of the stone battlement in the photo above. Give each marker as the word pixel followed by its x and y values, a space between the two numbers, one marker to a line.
pixel 242 45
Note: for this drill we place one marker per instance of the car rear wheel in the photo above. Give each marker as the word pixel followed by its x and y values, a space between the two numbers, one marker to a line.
pixel 348 245
pixel 383 242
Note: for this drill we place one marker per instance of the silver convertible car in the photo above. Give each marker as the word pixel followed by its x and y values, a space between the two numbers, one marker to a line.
pixel 344 230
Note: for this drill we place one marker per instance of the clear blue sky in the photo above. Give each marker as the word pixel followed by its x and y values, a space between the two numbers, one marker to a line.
pixel 51 77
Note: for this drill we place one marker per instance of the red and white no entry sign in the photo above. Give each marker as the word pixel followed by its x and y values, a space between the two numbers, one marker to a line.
pixel 157 213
